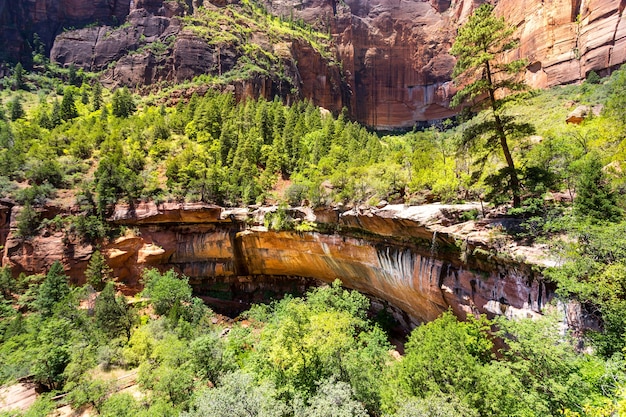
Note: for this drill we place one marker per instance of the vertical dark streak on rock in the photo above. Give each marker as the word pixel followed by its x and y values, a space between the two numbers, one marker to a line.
pixel 240 266
pixel 442 275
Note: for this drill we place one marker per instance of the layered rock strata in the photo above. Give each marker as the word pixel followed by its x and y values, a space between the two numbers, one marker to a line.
pixel 418 259
pixel 394 55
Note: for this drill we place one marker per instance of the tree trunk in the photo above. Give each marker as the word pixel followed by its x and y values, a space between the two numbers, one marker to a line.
pixel 515 187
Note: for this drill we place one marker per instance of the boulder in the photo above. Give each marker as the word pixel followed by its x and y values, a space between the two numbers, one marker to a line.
pixel 577 115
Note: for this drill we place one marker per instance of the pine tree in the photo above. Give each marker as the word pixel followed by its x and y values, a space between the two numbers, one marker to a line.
pixel 54 288
pixel 17 111
pixel 98 271
pixel 113 315
pixel 56 117
pixel 96 96
pixel 84 94
pixel 594 198
pixel 43 114
pixel 44 120
pixel 73 78
pixel 123 104
pixel 68 106
pixel 480 43
pixel 104 114
pixel 19 77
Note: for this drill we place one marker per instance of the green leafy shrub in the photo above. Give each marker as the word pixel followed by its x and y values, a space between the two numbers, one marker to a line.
pixel 28 221
pixel 165 290
pixel 36 195
pixel 91 228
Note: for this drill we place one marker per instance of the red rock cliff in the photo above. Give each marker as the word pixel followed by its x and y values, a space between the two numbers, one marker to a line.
pixel 19 20
pixel 408 257
pixel 394 55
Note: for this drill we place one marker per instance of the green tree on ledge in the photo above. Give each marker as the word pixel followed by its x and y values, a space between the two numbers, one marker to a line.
pixel 480 41
pixel 98 272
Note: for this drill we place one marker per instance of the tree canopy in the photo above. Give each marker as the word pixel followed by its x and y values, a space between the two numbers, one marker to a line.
pixel 481 70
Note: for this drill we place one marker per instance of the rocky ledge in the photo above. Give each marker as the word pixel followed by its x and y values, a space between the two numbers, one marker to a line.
pixel 422 260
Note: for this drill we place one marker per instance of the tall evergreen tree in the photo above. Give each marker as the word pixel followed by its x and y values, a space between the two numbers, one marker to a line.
pixel 43 114
pixel 594 198
pixel 54 288
pixel 479 46
pixel 68 105
pixel 113 315
pixel 123 104
pixel 56 117
pixel 73 77
pixel 84 94
pixel 18 75
pixel 98 271
pixel 17 111
pixel 96 96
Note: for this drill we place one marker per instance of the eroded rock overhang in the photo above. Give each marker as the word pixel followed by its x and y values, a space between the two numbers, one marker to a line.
pixel 419 259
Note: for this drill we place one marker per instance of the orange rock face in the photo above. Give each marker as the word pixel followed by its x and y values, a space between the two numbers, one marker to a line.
pixel 566 39
pixel 395 62
pixel 408 257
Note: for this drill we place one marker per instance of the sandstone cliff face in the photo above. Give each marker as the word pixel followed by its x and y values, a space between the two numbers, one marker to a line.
pixel 20 19
pixel 409 257
pixel 395 60
pixel 154 46
pixel 396 54
pixel 396 66
pixel 566 39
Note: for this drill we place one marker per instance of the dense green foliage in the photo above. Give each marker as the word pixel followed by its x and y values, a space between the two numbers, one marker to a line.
pixel 318 356
pixel 214 149
pixel 593 270
pixel 65 139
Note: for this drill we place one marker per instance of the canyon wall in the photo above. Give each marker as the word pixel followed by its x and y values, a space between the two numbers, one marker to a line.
pixel 396 60
pixel 564 40
pixel 395 66
pixel 417 259
pixel 19 20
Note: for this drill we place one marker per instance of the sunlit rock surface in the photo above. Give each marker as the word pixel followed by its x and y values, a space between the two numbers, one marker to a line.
pixel 395 64
pixel 422 260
